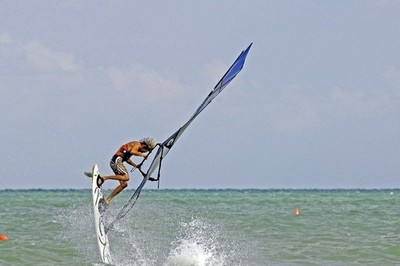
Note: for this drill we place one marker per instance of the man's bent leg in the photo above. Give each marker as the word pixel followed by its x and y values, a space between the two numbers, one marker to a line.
pixel 116 191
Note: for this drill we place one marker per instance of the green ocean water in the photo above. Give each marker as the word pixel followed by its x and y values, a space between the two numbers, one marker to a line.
pixel 205 227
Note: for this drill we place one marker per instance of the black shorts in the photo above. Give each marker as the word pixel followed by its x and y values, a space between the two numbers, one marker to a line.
pixel 117 166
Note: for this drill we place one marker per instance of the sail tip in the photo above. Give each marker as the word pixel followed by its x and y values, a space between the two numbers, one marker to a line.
pixel 245 52
pixel 248 48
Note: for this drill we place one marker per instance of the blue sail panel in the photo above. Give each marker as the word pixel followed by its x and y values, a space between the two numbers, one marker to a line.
pixel 235 68
pixel 225 80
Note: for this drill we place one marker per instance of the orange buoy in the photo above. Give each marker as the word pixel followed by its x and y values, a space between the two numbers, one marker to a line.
pixel 296 211
pixel 3 237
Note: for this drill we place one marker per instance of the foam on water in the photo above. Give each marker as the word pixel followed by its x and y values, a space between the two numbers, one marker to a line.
pixel 196 246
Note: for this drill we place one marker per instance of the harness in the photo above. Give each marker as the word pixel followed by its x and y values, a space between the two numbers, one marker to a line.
pixel 123 153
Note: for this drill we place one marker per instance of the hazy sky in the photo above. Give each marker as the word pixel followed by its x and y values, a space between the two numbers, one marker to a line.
pixel 317 104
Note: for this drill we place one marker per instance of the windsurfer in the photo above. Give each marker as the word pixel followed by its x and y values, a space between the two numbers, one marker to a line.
pixel 137 148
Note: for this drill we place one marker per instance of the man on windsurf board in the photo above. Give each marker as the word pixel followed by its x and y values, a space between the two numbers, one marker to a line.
pixel 124 153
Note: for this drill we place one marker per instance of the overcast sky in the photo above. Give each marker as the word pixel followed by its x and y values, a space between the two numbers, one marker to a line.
pixel 317 104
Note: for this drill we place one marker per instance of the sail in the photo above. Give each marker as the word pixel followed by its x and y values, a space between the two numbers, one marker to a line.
pixel 225 80
pixel 163 148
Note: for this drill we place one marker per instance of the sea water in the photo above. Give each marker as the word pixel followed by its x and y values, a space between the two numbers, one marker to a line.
pixel 205 227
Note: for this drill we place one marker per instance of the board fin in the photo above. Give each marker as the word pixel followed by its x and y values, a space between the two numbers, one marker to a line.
pixel 88 174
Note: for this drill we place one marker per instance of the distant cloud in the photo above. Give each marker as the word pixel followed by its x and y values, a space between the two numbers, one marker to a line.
pixel 38 56
pixel 144 84
pixel 41 57
pixel 360 103
pixel 296 109
pixel 30 66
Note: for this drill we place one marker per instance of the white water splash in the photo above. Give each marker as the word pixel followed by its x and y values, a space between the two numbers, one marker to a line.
pixel 197 246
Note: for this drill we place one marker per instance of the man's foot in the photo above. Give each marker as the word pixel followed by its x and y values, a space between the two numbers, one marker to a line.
pixel 99 181
pixel 103 206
